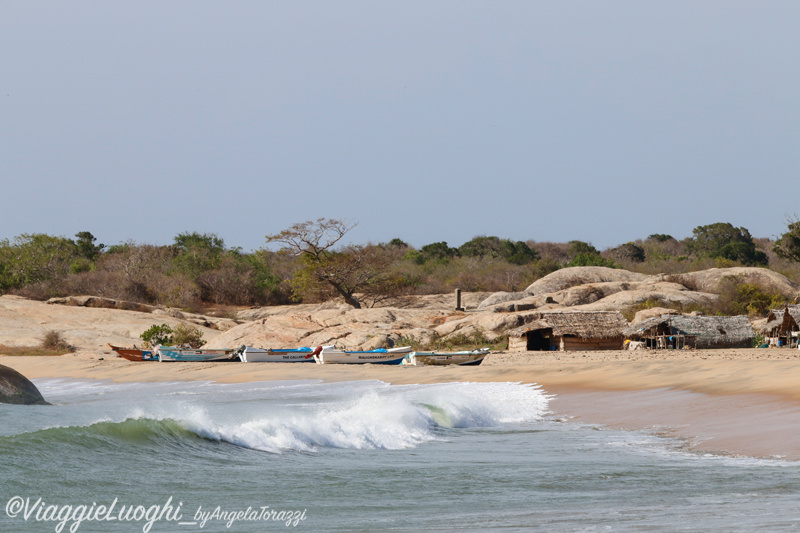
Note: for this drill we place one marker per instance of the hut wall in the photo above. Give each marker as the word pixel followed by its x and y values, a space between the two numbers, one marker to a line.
pixel 569 343
pixel 538 340
pixel 518 343
pixel 710 343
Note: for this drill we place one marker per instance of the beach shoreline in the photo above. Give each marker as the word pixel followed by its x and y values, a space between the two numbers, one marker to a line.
pixel 737 401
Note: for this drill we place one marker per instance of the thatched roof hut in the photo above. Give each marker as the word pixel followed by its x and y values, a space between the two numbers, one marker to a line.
pixel 782 326
pixel 695 331
pixel 569 330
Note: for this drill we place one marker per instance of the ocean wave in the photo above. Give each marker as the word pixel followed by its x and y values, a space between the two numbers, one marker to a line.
pixel 142 433
pixel 385 417
pixel 361 415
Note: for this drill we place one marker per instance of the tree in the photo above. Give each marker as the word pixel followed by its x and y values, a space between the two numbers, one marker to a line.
pixel 584 254
pixel 788 245
pixel 629 252
pixel 86 247
pixel 34 258
pixel 480 247
pixel 723 240
pixel 437 251
pixel 397 243
pixel 197 253
pixel 580 247
pixel 517 253
pixel 345 271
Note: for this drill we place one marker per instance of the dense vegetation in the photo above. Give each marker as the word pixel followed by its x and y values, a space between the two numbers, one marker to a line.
pixel 197 270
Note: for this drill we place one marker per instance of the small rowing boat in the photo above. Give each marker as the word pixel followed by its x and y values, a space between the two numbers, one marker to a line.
pixel 171 353
pixel 382 356
pixel 464 358
pixel 248 354
pixel 134 354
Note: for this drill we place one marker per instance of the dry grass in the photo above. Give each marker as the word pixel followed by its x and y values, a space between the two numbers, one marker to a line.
pixel 29 350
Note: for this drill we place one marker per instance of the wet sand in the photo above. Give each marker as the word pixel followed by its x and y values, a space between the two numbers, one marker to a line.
pixel 744 402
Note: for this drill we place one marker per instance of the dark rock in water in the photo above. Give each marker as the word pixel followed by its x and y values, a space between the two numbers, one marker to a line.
pixel 16 388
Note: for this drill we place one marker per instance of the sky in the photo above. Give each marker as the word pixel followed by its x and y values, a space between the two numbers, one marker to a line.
pixel 427 121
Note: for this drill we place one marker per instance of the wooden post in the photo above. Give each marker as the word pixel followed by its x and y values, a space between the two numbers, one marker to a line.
pixel 458 300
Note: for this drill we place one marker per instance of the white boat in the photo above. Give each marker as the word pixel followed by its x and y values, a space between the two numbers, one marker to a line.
pixel 248 354
pixel 382 356
pixel 171 353
pixel 465 358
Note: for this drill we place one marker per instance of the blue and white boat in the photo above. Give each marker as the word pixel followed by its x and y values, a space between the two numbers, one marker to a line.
pixel 382 356
pixel 172 353
pixel 248 354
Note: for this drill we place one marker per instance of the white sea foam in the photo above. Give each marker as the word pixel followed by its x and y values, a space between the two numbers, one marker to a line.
pixel 303 416
pixel 375 417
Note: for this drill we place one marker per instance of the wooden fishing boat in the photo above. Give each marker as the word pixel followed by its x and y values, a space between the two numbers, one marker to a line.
pixel 464 358
pixel 172 353
pixel 332 355
pixel 248 354
pixel 134 354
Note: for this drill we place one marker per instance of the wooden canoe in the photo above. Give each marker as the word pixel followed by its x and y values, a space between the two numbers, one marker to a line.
pixel 134 354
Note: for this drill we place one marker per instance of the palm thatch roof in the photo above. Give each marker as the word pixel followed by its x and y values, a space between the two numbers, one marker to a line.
pixel 584 324
pixel 786 319
pixel 710 331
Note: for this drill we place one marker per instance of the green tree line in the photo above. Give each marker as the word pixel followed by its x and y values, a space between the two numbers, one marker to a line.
pixel 307 263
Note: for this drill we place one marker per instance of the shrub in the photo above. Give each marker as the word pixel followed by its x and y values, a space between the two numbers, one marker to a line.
pixel 183 334
pixel 54 340
pixel 737 298
pixel 157 334
pixel 630 312
pixel 557 252
pixel 590 259
pixel 456 342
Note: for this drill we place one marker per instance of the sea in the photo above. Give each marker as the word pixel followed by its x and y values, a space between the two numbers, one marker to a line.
pixel 361 456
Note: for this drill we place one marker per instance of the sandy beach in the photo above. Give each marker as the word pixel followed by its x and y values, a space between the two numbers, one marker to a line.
pixel 741 402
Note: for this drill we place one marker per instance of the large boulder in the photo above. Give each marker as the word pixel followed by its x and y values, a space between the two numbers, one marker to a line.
pixel 573 276
pixel 501 297
pixel 17 389
pixel 653 312
pixel 710 280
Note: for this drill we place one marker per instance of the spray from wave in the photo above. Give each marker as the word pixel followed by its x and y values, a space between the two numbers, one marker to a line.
pixel 308 417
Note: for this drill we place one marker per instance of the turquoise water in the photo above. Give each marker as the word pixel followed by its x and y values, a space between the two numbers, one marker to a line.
pixel 360 456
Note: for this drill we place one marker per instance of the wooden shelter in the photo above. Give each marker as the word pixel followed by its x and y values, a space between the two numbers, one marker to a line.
pixel 783 326
pixel 569 330
pixel 687 331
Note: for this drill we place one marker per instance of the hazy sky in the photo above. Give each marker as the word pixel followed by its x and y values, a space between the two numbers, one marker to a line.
pixel 603 121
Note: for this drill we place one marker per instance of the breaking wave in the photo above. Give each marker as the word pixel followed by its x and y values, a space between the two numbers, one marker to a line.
pixel 306 418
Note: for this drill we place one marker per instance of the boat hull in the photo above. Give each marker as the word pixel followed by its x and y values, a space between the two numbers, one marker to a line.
pixel 266 355
pixel 471 358
pixel 330 355
pixel 169 354
pixel 134 354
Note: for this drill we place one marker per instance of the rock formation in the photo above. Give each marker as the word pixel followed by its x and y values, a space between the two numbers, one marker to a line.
pixel 17 389
pixel 90 323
